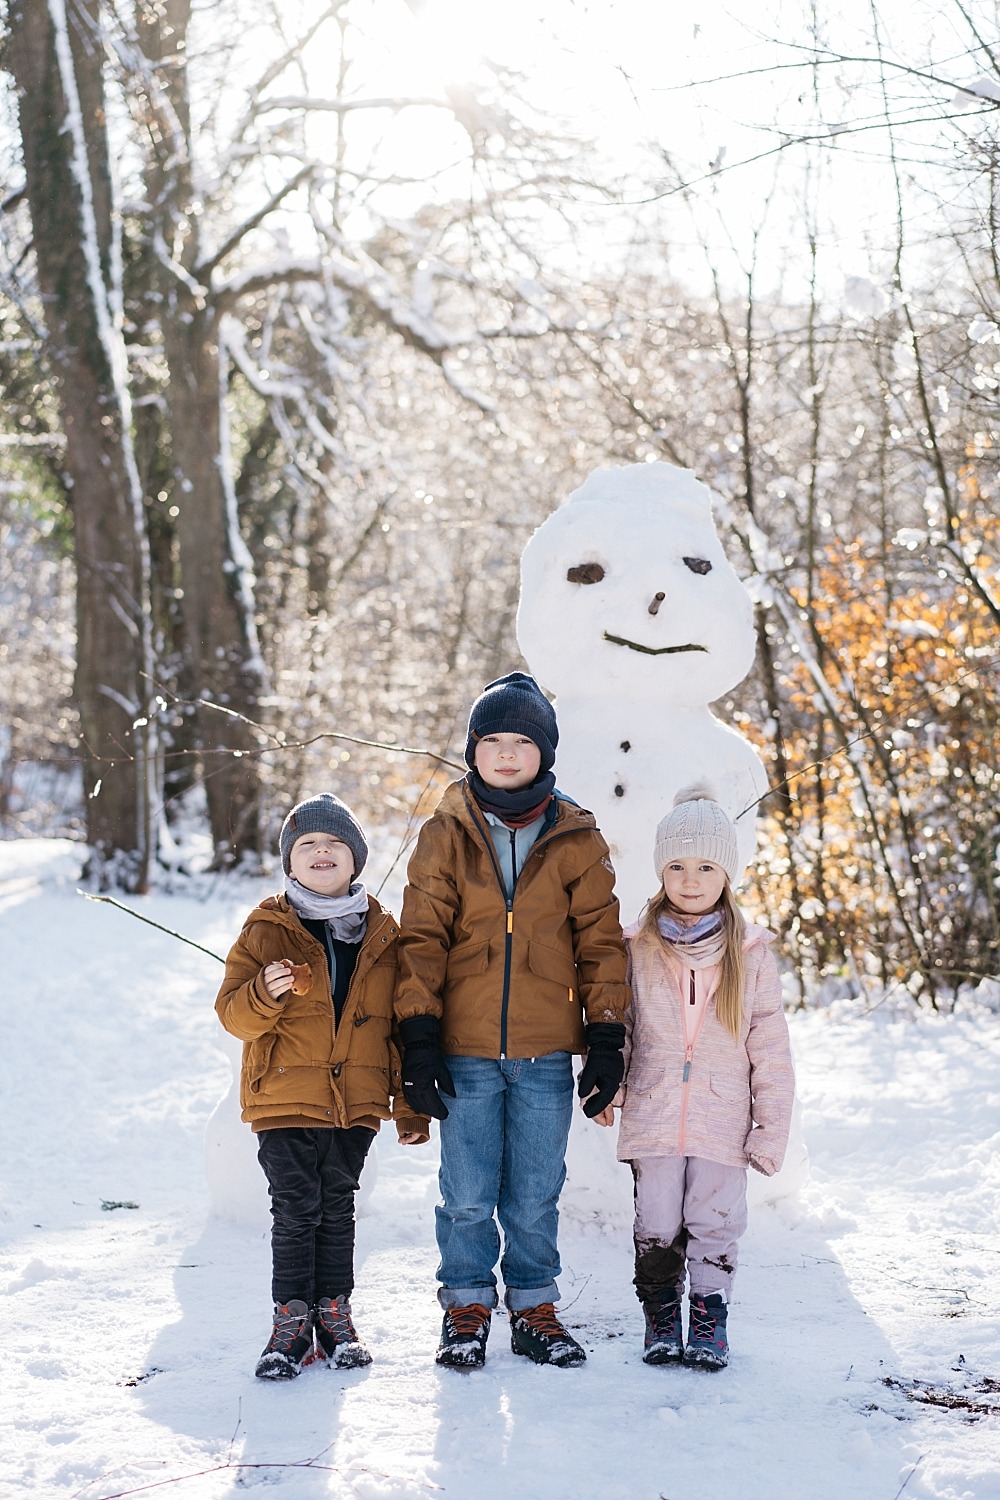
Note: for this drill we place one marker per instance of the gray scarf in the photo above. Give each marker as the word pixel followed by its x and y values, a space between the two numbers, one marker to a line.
pixel 697 946
pixel 346 916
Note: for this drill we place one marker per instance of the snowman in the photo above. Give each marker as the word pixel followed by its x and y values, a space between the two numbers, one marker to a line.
pixel 632 616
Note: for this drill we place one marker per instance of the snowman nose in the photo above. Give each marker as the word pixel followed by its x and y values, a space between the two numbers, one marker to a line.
pixel 657 601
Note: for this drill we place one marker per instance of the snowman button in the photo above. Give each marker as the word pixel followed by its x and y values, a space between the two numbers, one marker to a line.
pixel 591 572
pixel 619 790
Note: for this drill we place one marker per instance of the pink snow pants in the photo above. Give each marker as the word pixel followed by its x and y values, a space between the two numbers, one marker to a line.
pixel 689 1214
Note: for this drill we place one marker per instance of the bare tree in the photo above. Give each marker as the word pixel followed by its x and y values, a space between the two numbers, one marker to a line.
pixel 62 112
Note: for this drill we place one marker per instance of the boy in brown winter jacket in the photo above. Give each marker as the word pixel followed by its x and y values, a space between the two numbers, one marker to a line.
pixel 308 988
pixel 511 960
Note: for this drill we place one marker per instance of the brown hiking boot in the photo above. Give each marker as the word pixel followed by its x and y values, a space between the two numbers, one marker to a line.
pixel 463 1337
pixel 537 1333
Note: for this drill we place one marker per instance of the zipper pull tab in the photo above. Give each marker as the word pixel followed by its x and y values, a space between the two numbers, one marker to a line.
pixel 510 919
pixel 687 1072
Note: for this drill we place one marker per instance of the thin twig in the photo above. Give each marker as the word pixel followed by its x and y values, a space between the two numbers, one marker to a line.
pixel 408 836
pixel 909 1476
pixel 237 1468
pixel 110 901
pixel 285 744
pixel 239 1423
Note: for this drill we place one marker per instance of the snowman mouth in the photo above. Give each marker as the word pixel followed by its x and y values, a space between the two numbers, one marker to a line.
pixel 620 640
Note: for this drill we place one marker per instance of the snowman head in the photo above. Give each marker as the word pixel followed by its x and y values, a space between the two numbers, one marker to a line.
pixel 626 590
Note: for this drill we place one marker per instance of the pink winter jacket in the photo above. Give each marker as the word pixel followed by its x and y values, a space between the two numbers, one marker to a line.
pixel 735 1104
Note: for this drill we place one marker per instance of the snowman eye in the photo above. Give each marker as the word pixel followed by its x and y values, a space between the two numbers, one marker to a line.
pixel 586 573
pixel 698 564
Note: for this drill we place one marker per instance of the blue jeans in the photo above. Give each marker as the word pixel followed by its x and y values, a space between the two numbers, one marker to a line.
pixel 503 1153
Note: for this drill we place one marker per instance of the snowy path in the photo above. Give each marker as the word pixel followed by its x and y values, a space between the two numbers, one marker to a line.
pixel 129 1335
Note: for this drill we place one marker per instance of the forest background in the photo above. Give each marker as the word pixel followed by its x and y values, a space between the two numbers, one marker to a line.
pixel 310 313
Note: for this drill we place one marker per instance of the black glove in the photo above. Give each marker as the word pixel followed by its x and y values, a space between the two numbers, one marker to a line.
pixel 605 1065
pixel 424 1067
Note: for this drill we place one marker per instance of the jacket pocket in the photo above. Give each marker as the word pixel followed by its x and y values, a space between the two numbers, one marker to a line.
pixel 365 1090
pixel 468 959
pixel 730 1090
pixel 551 964
pixel 646 1074
pixel 258 1060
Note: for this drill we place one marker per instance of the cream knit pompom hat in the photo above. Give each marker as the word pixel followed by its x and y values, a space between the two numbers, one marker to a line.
pixel 697 828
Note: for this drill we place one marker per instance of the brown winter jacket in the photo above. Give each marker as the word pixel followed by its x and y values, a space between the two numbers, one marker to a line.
pixel 299 1068
pixel 510 978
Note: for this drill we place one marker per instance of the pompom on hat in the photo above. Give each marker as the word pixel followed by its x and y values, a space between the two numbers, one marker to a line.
pixel 514 704
pixel 323 814
pixel 697 828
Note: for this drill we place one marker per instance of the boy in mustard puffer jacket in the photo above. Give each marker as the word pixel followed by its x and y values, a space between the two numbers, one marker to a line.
pixel 511 960
pixel 308 989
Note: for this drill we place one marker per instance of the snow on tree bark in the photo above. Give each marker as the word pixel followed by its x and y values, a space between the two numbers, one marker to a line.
pixel 58 73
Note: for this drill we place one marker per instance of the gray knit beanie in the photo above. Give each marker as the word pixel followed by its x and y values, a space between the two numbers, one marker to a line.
pixel 697 828
pixel 323 814
pixel 514 704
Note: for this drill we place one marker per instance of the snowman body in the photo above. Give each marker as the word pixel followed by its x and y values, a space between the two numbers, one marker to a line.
pixel 628 772
pixel 632 616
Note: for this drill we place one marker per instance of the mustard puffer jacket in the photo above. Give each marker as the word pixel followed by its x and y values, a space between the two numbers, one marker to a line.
pixel 510 978
pixel 299 1067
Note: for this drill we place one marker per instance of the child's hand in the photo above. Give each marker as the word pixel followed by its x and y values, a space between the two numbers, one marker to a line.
pixel 411 1138
pixel 277 980
pixel 605 1117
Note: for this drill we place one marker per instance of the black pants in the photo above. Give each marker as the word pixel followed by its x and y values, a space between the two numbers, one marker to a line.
pixel 312 1177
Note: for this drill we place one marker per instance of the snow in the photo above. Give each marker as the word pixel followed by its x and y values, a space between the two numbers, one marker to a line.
pixel 984 88
pixel 130 1334
pixel 863 299
pixel 983 330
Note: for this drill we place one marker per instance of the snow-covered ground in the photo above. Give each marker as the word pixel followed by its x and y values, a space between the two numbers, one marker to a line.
pixel 865 1329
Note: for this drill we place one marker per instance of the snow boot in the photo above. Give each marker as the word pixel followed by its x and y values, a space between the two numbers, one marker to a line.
pixel 336 1336
pixel 463 1337
pixel 664 1340
pixel 707 1345
pixel 290 1343
pixel 537 1333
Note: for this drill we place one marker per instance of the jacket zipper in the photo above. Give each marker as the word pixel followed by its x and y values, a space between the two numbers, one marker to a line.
pixel 359 969
pixel 689 1047
pixel 508 942
pixel 508 946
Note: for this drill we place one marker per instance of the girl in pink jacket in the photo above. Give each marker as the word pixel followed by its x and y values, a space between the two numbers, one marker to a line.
pixel 709 1086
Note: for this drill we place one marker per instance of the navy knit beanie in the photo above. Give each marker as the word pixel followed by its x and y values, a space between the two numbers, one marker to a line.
pixel 323 814
pixel 514 704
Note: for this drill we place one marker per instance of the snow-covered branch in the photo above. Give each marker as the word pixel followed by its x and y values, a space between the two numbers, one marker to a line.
pixel 207 265
pixel 306 104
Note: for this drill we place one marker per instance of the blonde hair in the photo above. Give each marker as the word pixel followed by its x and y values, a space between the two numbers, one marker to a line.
pixel 731 992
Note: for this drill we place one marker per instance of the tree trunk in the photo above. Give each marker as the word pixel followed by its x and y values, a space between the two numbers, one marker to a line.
pixel 219 628
pixel 57 70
